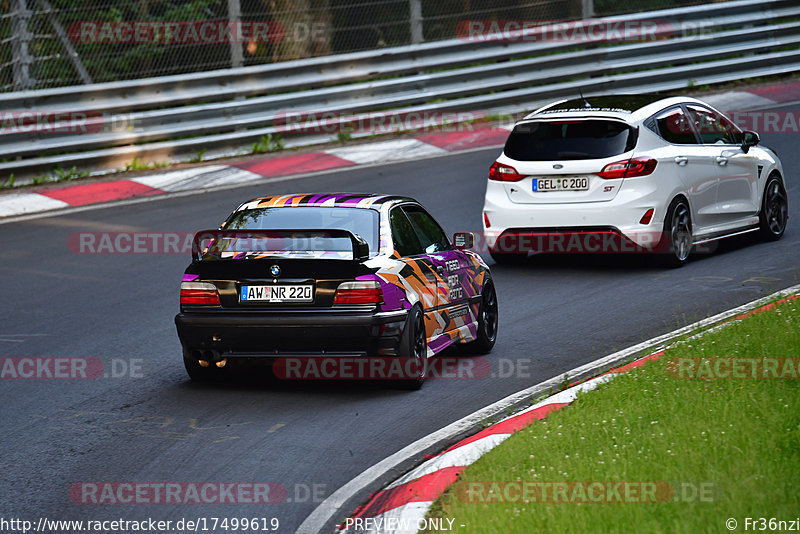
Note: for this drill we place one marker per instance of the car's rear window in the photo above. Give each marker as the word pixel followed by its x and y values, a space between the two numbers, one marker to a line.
pixel 569 140
pixel 360 221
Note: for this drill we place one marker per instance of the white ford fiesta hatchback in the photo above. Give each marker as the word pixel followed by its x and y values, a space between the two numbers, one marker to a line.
pixel 630 173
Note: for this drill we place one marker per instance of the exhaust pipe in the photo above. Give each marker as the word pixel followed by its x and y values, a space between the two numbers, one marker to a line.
pixel 207 357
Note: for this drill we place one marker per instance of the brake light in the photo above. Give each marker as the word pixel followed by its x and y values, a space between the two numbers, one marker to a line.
pixel 628 168
pixel 361 292
pixel 504 173
pixel 199 293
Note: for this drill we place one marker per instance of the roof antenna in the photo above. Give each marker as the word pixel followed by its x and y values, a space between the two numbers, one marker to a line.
pixel 586 103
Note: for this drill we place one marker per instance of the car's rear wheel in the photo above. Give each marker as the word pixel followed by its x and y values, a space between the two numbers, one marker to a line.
pixel 774 210
pixel 678 233
pixel 487 323
pixel 413 352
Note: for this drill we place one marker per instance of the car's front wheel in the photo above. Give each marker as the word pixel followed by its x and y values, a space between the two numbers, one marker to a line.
pixel 677 233
pixel 774 210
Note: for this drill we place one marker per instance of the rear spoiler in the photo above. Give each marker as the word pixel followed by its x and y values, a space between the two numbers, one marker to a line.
pixel 360 246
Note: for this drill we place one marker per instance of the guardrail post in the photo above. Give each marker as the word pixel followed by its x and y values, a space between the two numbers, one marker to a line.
pixel 20 38
pixel 415 19
pixel 587 9
pixel 234 16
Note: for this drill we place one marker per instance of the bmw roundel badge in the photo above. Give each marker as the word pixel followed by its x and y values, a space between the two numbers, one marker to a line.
pixel 275 271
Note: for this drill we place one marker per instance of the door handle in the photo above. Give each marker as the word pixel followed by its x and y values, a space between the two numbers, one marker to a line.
pixel 722 160
pixel 440 269
pixel 681 160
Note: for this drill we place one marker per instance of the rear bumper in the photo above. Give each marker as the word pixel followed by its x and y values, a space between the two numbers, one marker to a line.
pixel 318 333
pixel 573 240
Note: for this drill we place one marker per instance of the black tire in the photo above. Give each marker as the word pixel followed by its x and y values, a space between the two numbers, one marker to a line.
pixel 202 374
pixel 677 233
pixel 413 347
pixel 487 323
pixel 774 210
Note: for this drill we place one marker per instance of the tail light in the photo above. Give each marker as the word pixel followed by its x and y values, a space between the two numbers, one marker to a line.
pixel 628 168
pixel 504 173
pixel 486 220
pixel 199 293
pixel 647 217
pixel 361 292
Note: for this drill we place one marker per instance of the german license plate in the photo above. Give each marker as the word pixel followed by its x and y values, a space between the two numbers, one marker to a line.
pixel 277 293
pixel 563 183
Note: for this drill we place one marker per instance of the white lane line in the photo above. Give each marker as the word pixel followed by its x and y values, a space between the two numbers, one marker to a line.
pixel 196 179
pixel 164 180
pixel 332 506
pixel 18 204
pixel 399 149
pixel 464 455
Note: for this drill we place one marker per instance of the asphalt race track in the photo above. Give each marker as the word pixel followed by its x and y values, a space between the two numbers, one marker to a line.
pixel 146 422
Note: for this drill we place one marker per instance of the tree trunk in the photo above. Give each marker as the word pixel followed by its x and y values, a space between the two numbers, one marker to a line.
pixel 308 28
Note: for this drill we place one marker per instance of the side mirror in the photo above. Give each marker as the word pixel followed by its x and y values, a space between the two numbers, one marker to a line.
pixel 749 139
pixel 463 240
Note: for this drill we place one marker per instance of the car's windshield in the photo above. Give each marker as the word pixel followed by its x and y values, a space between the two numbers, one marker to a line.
pixel 569 140
pixel 362 222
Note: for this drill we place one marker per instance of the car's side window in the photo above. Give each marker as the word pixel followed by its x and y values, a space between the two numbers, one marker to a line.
pixel 405 238
pixel 714 128
pixel 674 127
pixel 431 236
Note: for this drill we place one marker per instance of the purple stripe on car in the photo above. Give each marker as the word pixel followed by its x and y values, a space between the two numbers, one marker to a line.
pixel 440 343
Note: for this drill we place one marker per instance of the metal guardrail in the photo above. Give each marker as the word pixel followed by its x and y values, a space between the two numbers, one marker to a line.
pixel 174 118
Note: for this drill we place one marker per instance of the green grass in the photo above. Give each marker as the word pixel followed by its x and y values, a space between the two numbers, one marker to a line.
pixel 737 441
pixel 136 165
pixel 267 143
